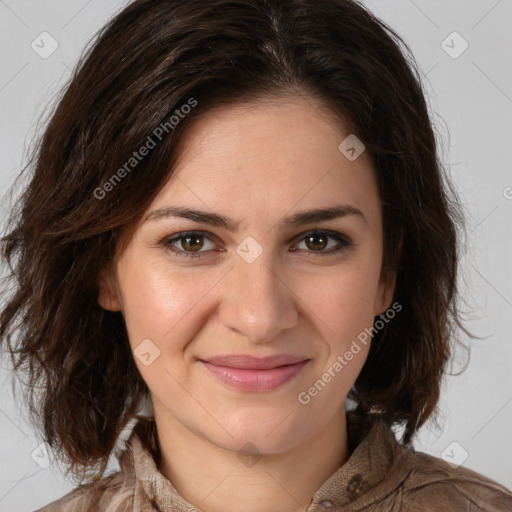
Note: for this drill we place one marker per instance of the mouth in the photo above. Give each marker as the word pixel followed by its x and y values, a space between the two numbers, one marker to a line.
pixel 253 373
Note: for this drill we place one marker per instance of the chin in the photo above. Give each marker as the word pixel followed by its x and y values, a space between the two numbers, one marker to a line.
pixel 259 432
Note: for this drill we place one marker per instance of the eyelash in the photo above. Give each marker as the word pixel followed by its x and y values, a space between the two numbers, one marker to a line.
pixel 344 243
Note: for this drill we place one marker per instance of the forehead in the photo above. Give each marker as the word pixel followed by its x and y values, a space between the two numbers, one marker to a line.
pixel 267 157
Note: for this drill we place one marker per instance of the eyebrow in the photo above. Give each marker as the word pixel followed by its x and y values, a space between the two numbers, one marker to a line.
pixel 217 220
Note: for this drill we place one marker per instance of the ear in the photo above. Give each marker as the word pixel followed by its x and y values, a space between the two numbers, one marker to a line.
pixel 387 282
pixel 107 292
pixel 385 290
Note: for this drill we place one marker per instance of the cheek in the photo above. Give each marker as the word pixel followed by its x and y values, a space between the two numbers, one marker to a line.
pixel 341 302
pixel 161 308
pixel 343 299
pixel 167 305
pixel 155 300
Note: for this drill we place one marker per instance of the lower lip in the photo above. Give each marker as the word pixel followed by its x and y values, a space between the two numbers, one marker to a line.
pixel 255 380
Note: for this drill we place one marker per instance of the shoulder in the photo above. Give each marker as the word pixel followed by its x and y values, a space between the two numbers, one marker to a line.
pixel 120 491
pixel 433 484
pixel 113 493
pixel 394 476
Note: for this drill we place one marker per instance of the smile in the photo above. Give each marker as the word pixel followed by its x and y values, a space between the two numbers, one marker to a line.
pixel 254 379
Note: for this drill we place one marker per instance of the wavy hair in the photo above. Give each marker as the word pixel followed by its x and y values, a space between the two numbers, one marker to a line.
pixel 83 386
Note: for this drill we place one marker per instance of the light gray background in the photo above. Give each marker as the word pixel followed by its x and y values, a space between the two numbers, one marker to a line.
pixel 471 101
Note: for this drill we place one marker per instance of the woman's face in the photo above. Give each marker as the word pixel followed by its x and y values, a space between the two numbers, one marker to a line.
pixel 257 282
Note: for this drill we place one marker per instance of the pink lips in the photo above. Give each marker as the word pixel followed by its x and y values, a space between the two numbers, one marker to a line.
pixel 254 373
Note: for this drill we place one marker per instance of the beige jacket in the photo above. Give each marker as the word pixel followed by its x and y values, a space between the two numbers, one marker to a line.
pixel 381 475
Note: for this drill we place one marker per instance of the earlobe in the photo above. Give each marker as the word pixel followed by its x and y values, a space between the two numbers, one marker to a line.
pixel 107 295
pixel 387 282
pixel 385 291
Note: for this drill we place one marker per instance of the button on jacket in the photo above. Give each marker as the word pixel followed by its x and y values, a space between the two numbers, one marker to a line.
pixel 381 475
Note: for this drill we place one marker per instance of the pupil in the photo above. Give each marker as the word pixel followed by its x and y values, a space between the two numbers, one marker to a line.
pixel 316 237
pixel 189 245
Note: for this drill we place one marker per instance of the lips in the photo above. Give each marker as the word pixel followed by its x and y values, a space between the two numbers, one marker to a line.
pixel 254 363
pixel 254 373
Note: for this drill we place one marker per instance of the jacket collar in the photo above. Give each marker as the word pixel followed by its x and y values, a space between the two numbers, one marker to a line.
pixel 371 471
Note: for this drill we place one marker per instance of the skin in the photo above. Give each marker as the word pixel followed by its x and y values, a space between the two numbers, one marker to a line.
pixel 254 163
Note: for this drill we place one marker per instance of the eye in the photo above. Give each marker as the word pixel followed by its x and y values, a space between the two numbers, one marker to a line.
pixel 317 241
pixel 190 244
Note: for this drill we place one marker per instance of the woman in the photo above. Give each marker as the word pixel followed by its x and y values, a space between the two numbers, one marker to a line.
pixel 237 214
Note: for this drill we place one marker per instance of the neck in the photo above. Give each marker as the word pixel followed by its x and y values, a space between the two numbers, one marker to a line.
pixel 213 479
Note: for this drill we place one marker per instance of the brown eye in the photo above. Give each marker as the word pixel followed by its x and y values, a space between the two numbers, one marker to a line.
pixel 192 243
pixel 316 241
pixel 188 245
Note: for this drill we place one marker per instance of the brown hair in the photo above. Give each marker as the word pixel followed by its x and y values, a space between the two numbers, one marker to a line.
pixel 149 60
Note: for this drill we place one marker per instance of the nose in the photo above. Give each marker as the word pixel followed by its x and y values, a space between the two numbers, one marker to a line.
pixel 258 302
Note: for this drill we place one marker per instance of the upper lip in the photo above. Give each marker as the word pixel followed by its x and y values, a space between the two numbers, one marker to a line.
pixel 254 363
